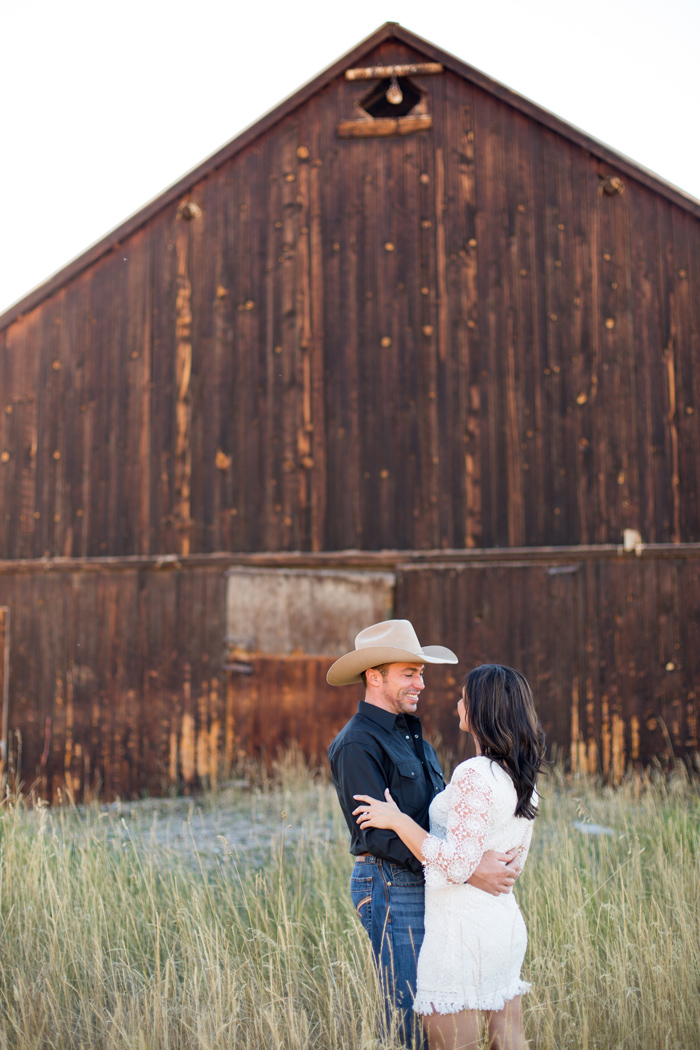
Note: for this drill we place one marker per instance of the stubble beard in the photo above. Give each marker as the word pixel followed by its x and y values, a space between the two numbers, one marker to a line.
pixel 401 704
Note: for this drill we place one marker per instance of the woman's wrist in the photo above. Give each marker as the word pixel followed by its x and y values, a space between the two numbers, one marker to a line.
pixel 402 821
pixel 410 833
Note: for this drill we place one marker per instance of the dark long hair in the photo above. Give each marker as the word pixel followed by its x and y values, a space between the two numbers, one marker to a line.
pixel 502 717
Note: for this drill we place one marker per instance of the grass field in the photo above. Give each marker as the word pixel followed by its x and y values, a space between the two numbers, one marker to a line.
pixel 137 927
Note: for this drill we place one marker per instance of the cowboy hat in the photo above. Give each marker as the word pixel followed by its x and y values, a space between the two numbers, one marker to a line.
pixel 389 642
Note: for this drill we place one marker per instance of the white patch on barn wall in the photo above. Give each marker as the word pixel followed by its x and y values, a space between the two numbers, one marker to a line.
pixel 314 612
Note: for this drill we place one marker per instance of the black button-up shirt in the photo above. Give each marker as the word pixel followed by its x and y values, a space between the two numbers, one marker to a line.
pixel 378 750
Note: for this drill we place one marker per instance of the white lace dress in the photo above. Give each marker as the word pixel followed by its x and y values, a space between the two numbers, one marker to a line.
pixel 474 943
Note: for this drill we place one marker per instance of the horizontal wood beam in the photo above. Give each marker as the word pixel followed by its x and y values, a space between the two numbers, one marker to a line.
pixel 383 127
pixel 354 559
pixel 420 69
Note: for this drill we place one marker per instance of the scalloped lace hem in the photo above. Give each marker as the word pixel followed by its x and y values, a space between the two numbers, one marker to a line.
pixel 427 1005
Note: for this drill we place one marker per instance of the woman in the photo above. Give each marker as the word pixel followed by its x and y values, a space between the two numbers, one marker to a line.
pixel 469 965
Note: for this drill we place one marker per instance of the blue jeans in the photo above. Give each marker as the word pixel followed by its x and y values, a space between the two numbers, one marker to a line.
pixel 390 901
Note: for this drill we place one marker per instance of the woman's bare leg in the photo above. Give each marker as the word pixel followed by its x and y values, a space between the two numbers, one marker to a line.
pixel 460 1031
pixel 506 1027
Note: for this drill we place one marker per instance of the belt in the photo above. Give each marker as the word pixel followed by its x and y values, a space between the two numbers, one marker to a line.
pixel 363 856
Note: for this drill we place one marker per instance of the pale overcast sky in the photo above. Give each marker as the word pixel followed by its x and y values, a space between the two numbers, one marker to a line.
pixel 104 105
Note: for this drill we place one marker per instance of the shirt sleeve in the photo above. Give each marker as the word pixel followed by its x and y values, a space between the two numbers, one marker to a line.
pixel 356 771
pixel 453 860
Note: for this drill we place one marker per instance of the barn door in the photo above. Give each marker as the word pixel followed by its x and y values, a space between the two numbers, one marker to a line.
pixel 284 628
pixel 524 615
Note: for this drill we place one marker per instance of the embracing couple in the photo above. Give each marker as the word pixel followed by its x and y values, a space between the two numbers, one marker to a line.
pixel 435 865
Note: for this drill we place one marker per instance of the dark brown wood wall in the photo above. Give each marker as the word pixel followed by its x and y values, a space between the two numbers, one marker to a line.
pixel 118 684
pixel 116 681
pixel 449 339
pixel 611 648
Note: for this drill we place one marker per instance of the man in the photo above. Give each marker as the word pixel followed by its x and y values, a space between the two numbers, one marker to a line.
pixel 382 747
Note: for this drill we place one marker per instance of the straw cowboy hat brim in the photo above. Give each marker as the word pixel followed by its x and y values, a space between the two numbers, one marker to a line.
pixel 406 649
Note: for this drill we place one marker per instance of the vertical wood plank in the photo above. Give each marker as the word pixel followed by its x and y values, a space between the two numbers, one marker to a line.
pixel 524 283
pixel 182 452
pixel 490 236
pixel 583 377
pixel 447 361
pixel 538 474
pixel 4 686
pixel 691 301
pixel 668 514
pixel 457 436
pixel 687 365
pixel 511 374
pixel 423 394
pixel 688 606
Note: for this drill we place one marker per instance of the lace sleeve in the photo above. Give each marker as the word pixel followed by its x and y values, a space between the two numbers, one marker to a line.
pixel 453 860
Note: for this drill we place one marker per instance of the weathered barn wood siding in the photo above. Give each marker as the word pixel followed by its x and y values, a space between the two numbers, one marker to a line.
pixel 116 683
pixel 450 339
pixel 286 702
pixel 483 335
pixel 5 619
pixel 121 682
pixel 611 648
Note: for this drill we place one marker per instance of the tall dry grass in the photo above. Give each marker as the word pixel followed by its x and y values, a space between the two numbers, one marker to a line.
pixel 613 919
pixel 113 940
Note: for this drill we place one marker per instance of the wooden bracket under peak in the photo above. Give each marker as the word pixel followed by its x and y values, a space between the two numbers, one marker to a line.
pixel 380 72
pixel 384 127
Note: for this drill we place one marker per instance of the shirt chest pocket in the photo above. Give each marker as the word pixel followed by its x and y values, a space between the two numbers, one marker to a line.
pixel 435 771
pixel 409 780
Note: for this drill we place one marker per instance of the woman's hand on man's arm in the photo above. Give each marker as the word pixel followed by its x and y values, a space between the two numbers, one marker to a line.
pixel 375 814
pixel 495 873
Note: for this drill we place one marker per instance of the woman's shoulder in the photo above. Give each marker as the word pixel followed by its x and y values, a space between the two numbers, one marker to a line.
pixel 482 766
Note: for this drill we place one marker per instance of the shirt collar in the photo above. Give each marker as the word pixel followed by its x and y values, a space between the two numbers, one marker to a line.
pixel 386 719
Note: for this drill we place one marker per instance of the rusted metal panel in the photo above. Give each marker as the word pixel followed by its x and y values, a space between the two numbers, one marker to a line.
pixel 295 611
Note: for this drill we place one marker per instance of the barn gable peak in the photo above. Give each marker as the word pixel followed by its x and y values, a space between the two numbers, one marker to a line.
pixel 427 55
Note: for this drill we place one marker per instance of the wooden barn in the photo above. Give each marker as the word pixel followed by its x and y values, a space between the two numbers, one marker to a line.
pixel 409 346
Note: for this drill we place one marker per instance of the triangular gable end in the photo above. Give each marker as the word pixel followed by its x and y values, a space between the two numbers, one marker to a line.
pixel 425 51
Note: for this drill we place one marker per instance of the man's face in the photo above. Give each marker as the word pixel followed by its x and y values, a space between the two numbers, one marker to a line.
pixel 400 689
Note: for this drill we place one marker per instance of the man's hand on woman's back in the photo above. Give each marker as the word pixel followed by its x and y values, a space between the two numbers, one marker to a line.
pixel 496 872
